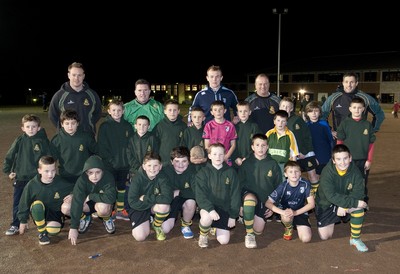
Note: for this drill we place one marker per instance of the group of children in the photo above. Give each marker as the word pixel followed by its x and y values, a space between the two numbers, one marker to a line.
pixel 152 178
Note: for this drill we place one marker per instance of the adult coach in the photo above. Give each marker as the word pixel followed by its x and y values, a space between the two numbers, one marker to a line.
pixel 76 95
pixel 215 92
pixel 143 105
pixel 338 103
pixel 263 104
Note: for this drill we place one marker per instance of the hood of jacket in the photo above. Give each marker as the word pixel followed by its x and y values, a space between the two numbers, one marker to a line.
pixel 93 161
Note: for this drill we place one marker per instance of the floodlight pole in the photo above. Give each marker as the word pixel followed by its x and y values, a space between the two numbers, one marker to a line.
pixel 279 11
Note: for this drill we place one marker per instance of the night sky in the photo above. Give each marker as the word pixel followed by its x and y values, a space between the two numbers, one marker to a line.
pixel 120 43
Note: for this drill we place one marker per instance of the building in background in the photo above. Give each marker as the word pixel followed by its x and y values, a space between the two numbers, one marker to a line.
pixel 379 76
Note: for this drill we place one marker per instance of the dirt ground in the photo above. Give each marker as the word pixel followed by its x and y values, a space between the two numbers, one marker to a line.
pixel 122 254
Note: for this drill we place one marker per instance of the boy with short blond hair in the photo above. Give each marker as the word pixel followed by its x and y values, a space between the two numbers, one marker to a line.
pixel 21 161
pixel 113 139
pixel 220 130
pixel 217 191
pixel 193 135
pixel 169 131
pixel 245 130
pixel 42 199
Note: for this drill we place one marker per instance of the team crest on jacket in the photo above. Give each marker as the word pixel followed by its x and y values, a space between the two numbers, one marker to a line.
pixel 101 191
pixel 350 186
pixel 155 105
pixel 227 128
pixel 81 147
pixel 56 196
pixel 187 185
pixel 297 127
pixel 271 110
pixel 227 181
pixel 302 189
pixel 148 148
pixel 156 191
pixel 86 102
pixel 36 147
pixel 309 164
pixel 365 132
pixel 269 174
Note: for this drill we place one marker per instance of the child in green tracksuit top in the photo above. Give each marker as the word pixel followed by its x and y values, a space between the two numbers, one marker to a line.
pixel 142 142
pixel 245 130
pixel 113 139
pixel 94 191
pixel 72 146
pixel 259 175
pixel 359 136
pixel 42 199
pixel 181 175
pixel 169 130
pixel 150 193
pixel 193 134
pixel 20 163
pixel 340 196
pixel 217 191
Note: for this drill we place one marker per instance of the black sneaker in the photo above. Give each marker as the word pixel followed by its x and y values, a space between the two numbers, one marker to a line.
pixel 44 238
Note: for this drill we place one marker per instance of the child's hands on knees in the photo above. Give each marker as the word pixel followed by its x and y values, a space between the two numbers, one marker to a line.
pixel 214 215
pixel 231 222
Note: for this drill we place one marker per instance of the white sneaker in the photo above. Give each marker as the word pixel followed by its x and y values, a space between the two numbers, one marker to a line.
pixel 109 225
pixel 250 241
pixel 203 241
pixel 12 230
pixel 84 224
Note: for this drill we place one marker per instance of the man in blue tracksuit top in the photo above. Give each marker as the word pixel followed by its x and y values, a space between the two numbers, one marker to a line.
pixel 213 92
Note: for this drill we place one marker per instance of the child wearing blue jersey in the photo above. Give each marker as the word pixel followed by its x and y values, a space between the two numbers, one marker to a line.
pixel 321 135
pixel 295 199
